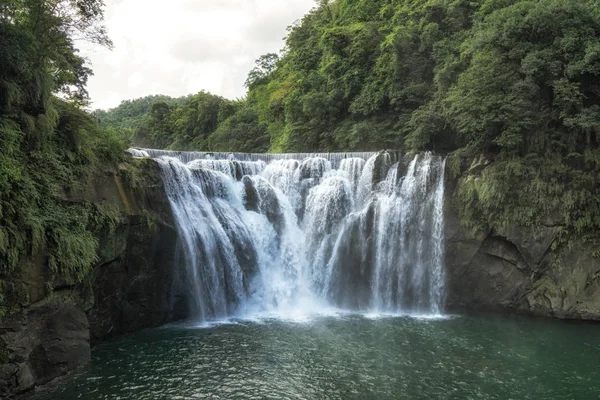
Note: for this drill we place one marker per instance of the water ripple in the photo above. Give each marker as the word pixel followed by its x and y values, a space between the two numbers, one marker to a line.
pixel 346 356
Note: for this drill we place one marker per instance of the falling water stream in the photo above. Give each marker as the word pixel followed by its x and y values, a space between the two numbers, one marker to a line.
pixel 299 233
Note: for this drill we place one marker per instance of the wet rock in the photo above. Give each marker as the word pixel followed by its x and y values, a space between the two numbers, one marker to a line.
pixel 8 379
pixel 251 198
pixel 269 206
pixel 136 291
pixel 369 221
pixel 247 258
pixel 211 184
pixel 65 345
pixel 354 265
pixel 305 186
pixel 402 168
pixel 314 168
pixel 381 166
pixel 328 204
pixel 239 171
pixel 260 197
pixel 25 379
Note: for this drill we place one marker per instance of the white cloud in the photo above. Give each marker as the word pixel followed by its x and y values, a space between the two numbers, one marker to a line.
pixel 184 46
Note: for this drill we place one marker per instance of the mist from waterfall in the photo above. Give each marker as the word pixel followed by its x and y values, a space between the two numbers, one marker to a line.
pixel 298 234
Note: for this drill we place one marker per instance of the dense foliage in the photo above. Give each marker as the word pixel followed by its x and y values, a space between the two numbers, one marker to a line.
pixel 528 96
pixel 517 81
pixel 48 144
pixel 131 117
pixel 201 121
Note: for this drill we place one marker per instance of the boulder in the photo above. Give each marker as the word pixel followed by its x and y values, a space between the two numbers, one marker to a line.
pixel 381 166
pixel 251 198
pixel 65 345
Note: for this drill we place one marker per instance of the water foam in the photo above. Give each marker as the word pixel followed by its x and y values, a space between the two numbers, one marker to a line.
pixel 292 237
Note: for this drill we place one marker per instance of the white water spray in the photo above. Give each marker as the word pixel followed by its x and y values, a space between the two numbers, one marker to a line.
pixel 287 233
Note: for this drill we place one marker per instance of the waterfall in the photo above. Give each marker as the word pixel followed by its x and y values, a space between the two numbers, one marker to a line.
pixel 282 233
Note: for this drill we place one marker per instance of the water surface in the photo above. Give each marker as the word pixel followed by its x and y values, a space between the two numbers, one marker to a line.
pixel 347 357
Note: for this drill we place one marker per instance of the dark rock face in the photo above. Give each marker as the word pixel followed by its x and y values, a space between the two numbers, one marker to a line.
pixel 137 290
pixel 65 345
pixel 314 168
pixel 134 284
pixel 515 269
pixel 260 197
pixel 251 198
pixel 269 206
pixel 569 288
pixel 239 170
pixel 383 161
pixel 531 243
pixel 132 287
pixel 43 343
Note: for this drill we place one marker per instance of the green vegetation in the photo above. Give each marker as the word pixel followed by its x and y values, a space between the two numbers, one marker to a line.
pixel 201 121
pixel 528 97
pixel 48 144
pixel 131 117
pixel 517 81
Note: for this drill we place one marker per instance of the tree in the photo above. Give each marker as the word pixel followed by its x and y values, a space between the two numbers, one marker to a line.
pixel 264 67
pixel 56 24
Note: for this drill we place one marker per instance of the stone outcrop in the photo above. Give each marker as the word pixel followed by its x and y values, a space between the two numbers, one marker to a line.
pixel 133 285
pixel 516 269
pixel 44 343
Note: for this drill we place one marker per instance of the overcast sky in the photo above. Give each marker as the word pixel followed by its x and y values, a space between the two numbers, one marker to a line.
pixel 178 47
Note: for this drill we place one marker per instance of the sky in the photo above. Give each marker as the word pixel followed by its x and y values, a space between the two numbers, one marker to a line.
pixel 179 47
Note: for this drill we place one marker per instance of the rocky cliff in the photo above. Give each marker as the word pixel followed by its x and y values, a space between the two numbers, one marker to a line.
pixel 520 269
pixel 133 285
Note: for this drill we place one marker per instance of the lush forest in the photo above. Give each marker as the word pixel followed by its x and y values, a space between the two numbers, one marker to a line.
pixel 48 143
pixel 514 82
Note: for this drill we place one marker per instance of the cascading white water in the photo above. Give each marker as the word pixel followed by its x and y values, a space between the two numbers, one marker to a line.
pixel 279 234
pixel 409 238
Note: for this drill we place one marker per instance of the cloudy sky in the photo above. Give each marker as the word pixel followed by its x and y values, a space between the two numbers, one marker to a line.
pixel 178 47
